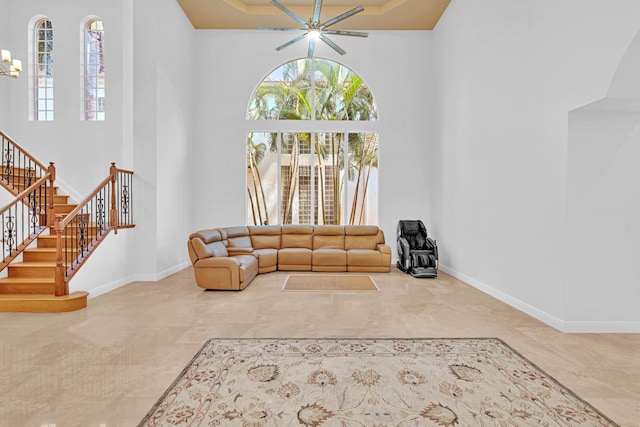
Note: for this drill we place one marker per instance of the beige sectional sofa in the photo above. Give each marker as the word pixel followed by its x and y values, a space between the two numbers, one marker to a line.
pixel 229 258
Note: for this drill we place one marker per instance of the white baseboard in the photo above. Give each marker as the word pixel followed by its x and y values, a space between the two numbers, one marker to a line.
pixel 507 299
pixel 108 287
pixel 602 327
pixel 536 313
pixel 161 275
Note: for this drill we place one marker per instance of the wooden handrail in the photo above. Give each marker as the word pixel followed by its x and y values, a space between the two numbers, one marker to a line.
pixel 18 168
pixel 26 192
pixel 25 152
pixel 84 202
pixel 85 236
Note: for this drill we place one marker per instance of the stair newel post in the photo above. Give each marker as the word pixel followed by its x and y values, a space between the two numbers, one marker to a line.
pixel 61 287
pixel 113 171
pixel 51 170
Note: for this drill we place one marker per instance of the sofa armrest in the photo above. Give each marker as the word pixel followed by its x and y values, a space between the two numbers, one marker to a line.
pixel 384 248
pixel 218 262
pixel 240 251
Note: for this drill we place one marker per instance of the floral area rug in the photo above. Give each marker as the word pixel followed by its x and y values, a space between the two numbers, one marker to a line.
pixel 366 382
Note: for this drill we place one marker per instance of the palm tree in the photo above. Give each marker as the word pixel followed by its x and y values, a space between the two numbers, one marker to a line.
pixel 255 155
pixel 339 95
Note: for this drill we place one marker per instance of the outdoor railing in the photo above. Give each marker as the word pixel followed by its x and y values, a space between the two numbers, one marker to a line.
pixel 108 208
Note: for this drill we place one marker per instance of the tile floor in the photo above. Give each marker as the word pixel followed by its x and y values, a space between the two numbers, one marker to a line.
pixel 106 365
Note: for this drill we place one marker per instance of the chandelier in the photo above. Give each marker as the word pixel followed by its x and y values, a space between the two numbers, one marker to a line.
pixel 8 67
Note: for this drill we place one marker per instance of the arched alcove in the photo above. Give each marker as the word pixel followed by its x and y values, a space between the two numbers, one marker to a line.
pixel 603 201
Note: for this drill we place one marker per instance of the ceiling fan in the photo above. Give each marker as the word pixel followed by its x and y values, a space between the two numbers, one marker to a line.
pixel 314 30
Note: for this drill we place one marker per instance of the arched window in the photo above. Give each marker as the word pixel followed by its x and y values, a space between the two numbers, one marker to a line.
pixel 325 174
pixel 43 70
pixel 94 82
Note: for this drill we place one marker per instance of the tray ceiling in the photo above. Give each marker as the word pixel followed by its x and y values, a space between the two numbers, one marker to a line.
pixel 377 14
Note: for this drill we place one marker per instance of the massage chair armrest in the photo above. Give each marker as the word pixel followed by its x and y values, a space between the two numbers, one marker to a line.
pixel 218 262
pixel 240 251
pixel 404 248
pixel 432 244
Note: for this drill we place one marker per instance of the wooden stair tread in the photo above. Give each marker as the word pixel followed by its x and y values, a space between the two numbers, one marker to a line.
pixel 33 264
pixel 43 303
pixel 27 280
pixel 46 297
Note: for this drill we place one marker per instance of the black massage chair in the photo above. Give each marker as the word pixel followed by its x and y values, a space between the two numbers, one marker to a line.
pixel 417 252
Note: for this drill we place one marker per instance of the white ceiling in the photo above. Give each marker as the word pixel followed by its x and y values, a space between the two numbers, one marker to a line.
pixel 377 14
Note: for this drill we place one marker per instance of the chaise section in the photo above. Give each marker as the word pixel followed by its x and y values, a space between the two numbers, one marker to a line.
pixel 265 240
pixel 295 248
pixel 213 266
pixel 328 248
pixel 366 250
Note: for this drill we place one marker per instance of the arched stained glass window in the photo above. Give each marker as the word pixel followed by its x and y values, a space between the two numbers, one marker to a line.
pixel 94 80
pixel 43 70
pixel 313 176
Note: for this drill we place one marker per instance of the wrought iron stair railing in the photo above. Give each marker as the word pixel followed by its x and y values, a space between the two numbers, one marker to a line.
pixel 37 207
pixel 27 216
pixel 108 208
pixel 19 168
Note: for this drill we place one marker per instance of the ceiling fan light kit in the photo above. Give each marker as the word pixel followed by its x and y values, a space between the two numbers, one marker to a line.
pixel 314 30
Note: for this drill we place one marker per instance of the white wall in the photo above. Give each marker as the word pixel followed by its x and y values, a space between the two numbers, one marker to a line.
pixel 231 64
pixel 148 55
pixel 508 73
pixel 603 206
pixel 81 150
pixel 175 110
pixel 5 43
pixel 163 117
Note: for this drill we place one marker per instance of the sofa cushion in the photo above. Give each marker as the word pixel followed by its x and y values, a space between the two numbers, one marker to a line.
pixel 265 236
pixel 297 236
pixel 207 243
pixel 294 256
pixel 236 231
pixel 366 257
pixel 328 237
pixel 332 257
pixel 248 266
pixel 267 259
pixel 362 237
pixel 239 242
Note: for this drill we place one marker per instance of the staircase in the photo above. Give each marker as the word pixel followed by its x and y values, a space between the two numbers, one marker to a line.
pixel 30 284
pixel 52 236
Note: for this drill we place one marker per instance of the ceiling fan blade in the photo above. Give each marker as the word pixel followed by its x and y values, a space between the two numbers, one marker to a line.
pixel 281 29
pixel 341 17
pixel 290 13
pixel 312 45
pixel 332 44
pixel 346 33
pixel 289 43
pixel 316 12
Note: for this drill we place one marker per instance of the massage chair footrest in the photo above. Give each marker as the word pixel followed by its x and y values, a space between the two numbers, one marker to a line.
pixel 424 272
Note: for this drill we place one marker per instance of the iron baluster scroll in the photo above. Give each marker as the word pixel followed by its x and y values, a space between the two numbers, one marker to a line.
pixel 19 168
pixel 25 218
pixel 81 231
